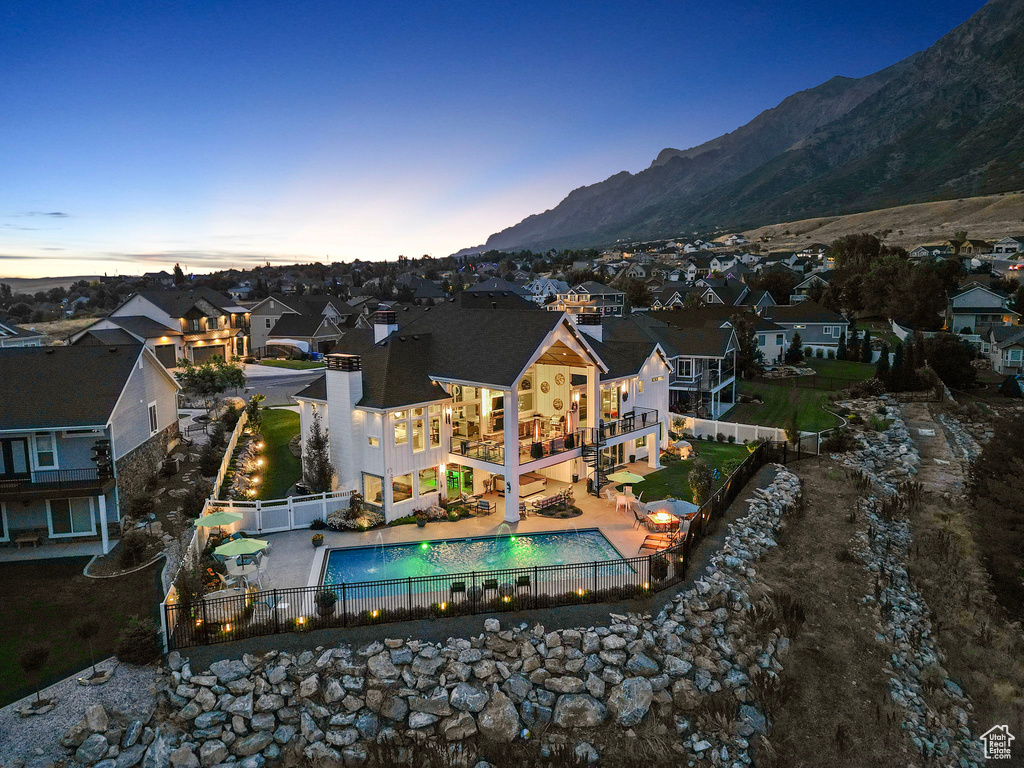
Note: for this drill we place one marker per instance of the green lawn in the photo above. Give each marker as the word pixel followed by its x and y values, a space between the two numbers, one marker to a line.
pixel 42 601
pixel 779 402
pixel 844 369
pixel 671 481
pixel 295 365
pixel 282 469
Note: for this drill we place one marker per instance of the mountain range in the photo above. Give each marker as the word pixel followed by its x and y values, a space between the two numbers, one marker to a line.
pixel 944 123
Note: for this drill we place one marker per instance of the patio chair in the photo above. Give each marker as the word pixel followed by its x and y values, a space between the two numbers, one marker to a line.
pixel 457 588
pixel 609 494
pixel 638 518
pixel 267 600
pixel 490 585
pixel 524 510
pixel 659 541
pixel 622 502
pixel 485 507
pixel 523 582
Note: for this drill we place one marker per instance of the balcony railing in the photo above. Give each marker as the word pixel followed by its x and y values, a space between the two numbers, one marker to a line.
pixel 494 452
pixel 53 480
pixel 631 421
pixel 705 380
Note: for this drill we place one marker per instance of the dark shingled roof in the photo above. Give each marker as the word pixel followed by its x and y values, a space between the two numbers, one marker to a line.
pixel 77 386
pixel 107 336
pixel 803 312
pixel 315 391
pixel 177 303
pixel 695 331
pixel 497 284
pixel 142 326
pixel 397 371
pixel 291 325
pixel 11 331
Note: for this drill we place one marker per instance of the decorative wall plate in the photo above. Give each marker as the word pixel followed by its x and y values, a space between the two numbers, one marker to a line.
pixel 525 385
pixel 559 379
pixel 545 387
pixel 557 404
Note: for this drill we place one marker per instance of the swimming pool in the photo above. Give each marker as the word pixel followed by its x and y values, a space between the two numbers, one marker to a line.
pixel 453 556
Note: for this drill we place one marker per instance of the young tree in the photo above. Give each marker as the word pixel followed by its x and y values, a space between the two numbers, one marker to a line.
pixel 795 353
pixel 882 366
pixel 951 359
pixel 1010 387
pixel 701 481
pixel 254 411
pixel 793 427
pixel 897 374
pixel 32 660
pixel 179 275
pixel 86 632
pixel 841 350
pixel 205 382
pixel 749 359
pixel 865 347
pixel 319 472
pixel 637 293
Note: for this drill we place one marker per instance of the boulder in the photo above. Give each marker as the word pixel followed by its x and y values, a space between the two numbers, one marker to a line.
pixel 250 745
pixel 227 670
pixel 381 666
pixel 93 749
pixel 96 718
pixel 459 726
pixel 499 720
pixel 468 698
pixel 212 752
pixel 579 710
pixel 184 757
pixel 630 700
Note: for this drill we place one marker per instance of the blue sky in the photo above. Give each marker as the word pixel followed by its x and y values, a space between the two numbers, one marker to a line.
pixel 137 134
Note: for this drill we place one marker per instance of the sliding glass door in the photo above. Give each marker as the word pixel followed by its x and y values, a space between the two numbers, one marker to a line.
pixel 14 458
pixel 72 517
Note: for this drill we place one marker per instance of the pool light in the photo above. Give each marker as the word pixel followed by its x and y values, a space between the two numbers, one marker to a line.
pixel 424 545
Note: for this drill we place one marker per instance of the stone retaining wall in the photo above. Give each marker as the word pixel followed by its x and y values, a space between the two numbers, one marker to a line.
pixel 324 706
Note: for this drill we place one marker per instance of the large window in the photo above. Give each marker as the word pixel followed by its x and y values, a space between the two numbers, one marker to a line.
pixel 373 489
pixel 428 480
pixel 46 454
pixel 401 427
pixel 71 517
pixel 684 367
pixel 401 488
pixel 435 431
pixel 418 437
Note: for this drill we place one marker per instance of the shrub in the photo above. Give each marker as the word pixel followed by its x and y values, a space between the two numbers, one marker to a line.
pixel 659 568
pixel 137 642
pixel 230 418
pixel 870 388
pixel 318 525
pixel 721 437
pixel 840 441
pixel 32 660
pixel 133 548
pixel 140 507
pixel 819 352
pixel 209 459
pixel 732 439
pixel 193 502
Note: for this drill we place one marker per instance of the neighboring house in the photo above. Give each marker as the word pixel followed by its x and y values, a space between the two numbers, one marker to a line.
pixel 969 248
pixel 1009 244
pixel 772 340
pixel 265 314
pixel 636 271
pixel 163 277
pixel 674 294
pixel 165 343
pixel 737 239
pixel 759 301
pixel 819 328
pixel 1006 348
pixel 591 298
pixel 15 336
pixel 975 309
pixel 82 431
pixel 803 290
pixel 730 293
pixel 307 334
pixel 465 399
pixel 241 291
pixel 544 288
pixel 498 285
pixel 195 324
pixel 931 252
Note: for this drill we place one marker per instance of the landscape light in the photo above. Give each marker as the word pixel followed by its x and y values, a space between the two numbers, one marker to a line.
pixel 580 591
pixel 443 606
pixel 374 613
pixel 227 627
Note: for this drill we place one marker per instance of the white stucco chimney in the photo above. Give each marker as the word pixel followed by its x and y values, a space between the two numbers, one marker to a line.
pixel 344 391
pixel 385 322
pixel 590 324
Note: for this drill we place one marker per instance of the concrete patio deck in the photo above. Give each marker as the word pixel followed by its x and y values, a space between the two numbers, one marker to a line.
pixel 52 548
pixel 294 562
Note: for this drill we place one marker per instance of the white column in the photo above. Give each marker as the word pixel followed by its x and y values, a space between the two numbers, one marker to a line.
pixel 511 457
pixel 103 523
pixel 653 451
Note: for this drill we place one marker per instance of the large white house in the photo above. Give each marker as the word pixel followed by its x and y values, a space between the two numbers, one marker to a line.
pixel 495 398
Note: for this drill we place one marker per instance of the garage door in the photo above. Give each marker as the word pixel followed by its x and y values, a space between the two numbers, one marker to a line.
pixel 202 354
pixel 165 354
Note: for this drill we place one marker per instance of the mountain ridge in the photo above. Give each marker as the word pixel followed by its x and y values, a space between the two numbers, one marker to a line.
pixel 941 123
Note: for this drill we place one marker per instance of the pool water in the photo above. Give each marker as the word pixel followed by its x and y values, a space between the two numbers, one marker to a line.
pixel 435 558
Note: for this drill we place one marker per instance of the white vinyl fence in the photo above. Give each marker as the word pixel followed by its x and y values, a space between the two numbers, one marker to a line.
pixel 236 433
pixel 742 433
pixel 274 515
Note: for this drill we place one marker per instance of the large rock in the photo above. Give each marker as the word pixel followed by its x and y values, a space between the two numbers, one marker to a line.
pixel 227 670
pixel 158 753
pixel 630 701
pixel 321 755
pixel 250 745
pixel 93 749
pixel 381 666
pixel 641 664
pixel 579 710
pixel 436 704
pixel 130 757
pixel 184 757
pixel 458 727
pixel 468 698
pixel 212 752
pixel 499 720
pixel 242 706
pixel 96 718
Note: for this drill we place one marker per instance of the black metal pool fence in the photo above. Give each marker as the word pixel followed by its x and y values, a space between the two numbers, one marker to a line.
pixel 208 621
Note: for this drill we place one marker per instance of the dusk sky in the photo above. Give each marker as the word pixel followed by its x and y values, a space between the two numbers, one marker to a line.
pixel 217 134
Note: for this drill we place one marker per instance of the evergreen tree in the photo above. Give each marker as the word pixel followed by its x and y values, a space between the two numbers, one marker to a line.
pixel 919 350
pixel 882 366
pixel 179 275
pixel 841 351
pixel 795 353
pixel 897 374
pixel 865 347
pixel 316 454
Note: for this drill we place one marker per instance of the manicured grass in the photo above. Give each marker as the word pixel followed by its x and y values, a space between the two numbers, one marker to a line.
pixel 844 369
pixel 42 601
pixel 295 365
pixel 779 402
pixel 282 469
pixel 671 481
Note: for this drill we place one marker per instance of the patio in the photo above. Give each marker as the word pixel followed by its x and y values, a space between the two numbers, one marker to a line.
pixel 290 563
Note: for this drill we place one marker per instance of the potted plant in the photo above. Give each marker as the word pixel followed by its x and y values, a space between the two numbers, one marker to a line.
pixel 421 519
pixel 325 600
pixel 317 539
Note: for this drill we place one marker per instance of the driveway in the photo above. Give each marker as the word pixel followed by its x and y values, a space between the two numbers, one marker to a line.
pixel 277 384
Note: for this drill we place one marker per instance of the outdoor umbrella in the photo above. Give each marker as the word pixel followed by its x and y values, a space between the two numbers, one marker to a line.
pixel 625 478
pixel 217 519
pixel 241 547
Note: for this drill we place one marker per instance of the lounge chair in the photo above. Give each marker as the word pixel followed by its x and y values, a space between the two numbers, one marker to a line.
pixel 490 585
pixel 458 587
pixel 523 582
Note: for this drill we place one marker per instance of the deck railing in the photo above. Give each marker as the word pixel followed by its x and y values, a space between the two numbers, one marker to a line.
pixel 252 614
pixel 53 480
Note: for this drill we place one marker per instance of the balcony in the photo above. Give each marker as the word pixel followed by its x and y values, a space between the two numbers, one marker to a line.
pixel 631 421
pixel 702 380
pixel 51 482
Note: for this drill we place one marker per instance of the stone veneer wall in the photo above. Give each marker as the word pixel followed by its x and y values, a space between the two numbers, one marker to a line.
pixel 135 468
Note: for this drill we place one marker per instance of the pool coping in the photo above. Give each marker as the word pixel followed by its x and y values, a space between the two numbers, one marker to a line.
pixel 319 566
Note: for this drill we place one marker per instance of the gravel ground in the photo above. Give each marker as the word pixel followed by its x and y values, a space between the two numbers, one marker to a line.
pixel 35 741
